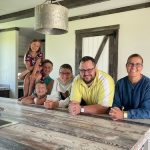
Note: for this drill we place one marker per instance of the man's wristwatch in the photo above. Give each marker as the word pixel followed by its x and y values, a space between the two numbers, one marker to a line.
pixel 125 114
pixel 82 110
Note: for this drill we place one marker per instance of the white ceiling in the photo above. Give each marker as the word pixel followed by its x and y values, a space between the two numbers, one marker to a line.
pixel 10 6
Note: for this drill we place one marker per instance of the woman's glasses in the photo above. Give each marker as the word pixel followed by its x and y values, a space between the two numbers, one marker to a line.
pixel 134 65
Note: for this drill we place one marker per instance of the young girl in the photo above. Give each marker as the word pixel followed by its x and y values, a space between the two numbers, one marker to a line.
pixel 32 60
pixel 61 89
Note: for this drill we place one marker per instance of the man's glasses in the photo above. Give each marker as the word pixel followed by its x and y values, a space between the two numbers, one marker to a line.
pixel 134 65
pixel 87 70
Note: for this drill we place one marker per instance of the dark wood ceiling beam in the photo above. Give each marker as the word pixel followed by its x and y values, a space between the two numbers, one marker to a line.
pixel 9 29
pixel 111 11
pixel 17 15
pixel 79 3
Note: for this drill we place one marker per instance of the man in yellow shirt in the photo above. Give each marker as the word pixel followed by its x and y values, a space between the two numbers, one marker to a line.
pixel 92 90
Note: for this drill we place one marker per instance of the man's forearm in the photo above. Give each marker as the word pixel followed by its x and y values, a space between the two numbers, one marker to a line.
pixel 95 109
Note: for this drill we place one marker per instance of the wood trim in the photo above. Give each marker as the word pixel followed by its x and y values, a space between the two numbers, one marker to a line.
pixel 78 52
pixel 10 29
pixel 113 55
pixel 30 13
pixel 97 30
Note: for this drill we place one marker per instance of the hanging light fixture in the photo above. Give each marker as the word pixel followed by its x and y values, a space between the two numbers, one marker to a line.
pixel 51 18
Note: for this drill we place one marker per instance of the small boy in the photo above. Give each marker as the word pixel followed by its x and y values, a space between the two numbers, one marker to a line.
pixel 39 97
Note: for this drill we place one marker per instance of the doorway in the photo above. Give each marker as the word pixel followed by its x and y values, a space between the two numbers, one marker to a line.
pixel 100 43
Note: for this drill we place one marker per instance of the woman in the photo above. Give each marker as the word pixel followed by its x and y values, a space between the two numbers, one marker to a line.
pixel 132 92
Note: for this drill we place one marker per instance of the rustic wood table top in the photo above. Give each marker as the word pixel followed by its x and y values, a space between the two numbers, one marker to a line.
pixel 36 128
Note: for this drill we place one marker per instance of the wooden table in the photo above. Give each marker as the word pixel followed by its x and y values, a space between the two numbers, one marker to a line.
pixel 36 128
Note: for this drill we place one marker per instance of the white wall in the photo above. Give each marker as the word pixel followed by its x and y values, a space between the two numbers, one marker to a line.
pixel 8 60
pixel 60 49
pixel 134 37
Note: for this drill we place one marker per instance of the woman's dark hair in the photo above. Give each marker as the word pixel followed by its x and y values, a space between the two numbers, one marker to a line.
pixel 29 48
pixel 66 66
pixel 88 58
pixel 45 61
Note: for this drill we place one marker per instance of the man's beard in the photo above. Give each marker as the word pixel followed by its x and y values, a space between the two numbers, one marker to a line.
pixel 88 82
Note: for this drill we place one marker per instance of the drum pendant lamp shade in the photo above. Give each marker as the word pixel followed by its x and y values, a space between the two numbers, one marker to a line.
pixel 51 19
